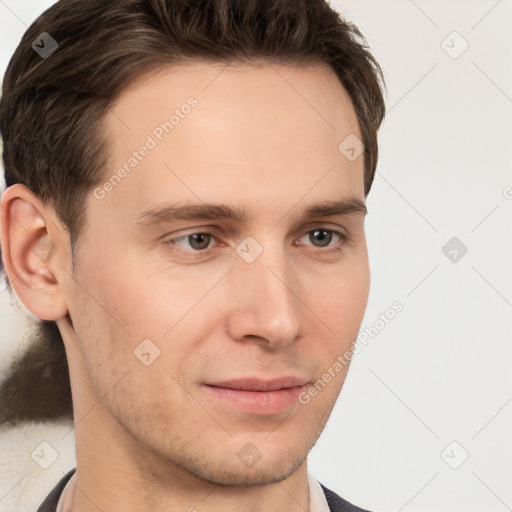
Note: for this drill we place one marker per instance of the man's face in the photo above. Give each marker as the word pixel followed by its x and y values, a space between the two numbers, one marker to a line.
pixel 216 305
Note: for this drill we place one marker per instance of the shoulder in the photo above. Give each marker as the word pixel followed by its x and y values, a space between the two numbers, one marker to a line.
pixel 338 504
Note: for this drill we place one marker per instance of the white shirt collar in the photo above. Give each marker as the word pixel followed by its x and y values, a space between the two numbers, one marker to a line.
pixel 317 499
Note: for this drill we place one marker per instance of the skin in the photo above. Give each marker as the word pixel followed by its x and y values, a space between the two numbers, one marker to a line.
pixel 261 138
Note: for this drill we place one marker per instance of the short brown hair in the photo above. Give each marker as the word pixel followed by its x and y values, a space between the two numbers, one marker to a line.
pixel 52 109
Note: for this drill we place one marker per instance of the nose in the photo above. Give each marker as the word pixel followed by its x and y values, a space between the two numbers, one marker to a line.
pixel 266 306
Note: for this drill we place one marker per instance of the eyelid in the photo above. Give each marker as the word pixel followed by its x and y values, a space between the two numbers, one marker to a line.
pixel 337 247
pixel 324 225
pixel 213 229
pixel 305 229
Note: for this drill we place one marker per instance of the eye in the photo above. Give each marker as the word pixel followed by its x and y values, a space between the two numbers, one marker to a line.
pixel 201 241
pixel 195 241
pixel 321 237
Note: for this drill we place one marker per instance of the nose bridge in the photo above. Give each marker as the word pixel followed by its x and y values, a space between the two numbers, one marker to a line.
pixel 267 305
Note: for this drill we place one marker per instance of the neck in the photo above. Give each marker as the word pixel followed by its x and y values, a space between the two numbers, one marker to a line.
pixel 109 477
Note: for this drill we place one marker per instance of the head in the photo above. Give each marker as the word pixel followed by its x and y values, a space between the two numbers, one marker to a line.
pixel 185 202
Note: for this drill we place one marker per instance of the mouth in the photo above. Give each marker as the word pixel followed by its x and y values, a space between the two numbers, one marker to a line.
pixel 257 396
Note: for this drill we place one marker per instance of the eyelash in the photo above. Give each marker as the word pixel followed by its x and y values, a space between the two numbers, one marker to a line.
pixel 344 238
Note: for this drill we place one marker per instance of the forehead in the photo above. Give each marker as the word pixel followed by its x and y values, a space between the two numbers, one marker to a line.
pixel 313 93
pixel 214 130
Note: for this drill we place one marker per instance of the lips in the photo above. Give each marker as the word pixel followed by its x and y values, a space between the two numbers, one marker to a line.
pixel 257 396
pixel 247 384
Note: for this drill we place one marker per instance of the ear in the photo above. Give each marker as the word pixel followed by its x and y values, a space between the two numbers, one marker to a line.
pixel 29 252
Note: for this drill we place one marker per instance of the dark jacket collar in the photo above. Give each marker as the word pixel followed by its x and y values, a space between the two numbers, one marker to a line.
pixel 336 503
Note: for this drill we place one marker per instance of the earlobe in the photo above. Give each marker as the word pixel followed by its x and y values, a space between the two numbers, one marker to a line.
pixel 29 253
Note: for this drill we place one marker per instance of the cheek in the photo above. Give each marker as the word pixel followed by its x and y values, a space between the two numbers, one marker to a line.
pixel 148 299
pixel 103 304
pixel 342 298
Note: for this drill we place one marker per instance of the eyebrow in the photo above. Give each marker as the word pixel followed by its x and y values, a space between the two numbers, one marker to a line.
pixel 210 211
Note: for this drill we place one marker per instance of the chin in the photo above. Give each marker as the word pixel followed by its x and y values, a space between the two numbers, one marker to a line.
pixel 266 470
pixel 259 474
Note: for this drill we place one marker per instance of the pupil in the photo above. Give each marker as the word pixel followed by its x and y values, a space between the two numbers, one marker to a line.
pixel 324 237
pixel 201 239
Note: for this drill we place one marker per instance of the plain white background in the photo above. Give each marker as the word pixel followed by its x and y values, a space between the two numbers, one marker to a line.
pixel 424 419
